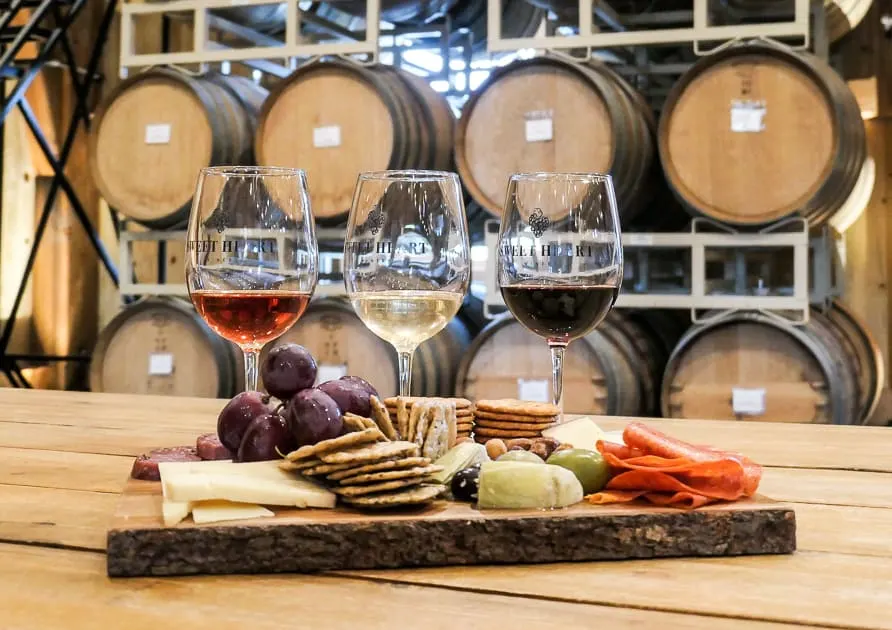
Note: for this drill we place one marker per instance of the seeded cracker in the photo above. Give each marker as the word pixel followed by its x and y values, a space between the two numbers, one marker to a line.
pixel 371 453
pixel 345 441
pixel 301 465
pixel 428 411
pixel 353 422
pixel 390 464
pixel 324 469
pixel 451 425
pixel 402 418
pixel 436 439
pixel 415 415
pixel 413 496
pixel 384 486
pixel 382 417
pixel 390 475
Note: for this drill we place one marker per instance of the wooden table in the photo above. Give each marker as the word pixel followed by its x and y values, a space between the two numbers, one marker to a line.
pixel 65 456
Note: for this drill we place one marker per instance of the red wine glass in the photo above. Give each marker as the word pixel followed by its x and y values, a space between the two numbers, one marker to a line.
pixel 560 257
pixel 251 254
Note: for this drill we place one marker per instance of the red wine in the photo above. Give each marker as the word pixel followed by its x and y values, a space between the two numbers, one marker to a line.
pixel 558 312
pixel 250 317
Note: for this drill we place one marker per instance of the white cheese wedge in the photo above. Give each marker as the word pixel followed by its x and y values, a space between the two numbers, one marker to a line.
pixel 614 436
pixel 242 483
pixel 581 433
pixel 216 511
pixel 174 511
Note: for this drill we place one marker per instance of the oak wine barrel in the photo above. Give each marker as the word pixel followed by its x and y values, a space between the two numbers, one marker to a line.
pixel 841 16
pixel 527 118
pixel 341 344
pixel 756 132
pixel 614 370
pixel 335 119
pixel 781 372
pixel 158 128
pixel 266 18
pixel 161 345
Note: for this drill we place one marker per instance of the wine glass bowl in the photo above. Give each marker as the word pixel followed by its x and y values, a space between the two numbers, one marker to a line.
pixel 251 254
pixel 407 257
pixel 560 256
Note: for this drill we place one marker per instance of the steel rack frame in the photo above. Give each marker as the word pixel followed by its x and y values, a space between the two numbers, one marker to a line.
pixel 47 27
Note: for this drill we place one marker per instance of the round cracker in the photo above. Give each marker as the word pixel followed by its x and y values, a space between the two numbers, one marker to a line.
pixel 513 426
pixel 501 433
pixel 513 417
pixel 518 407
pixel 460 403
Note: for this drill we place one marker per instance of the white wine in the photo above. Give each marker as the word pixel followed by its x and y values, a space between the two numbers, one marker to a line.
pixel 406 318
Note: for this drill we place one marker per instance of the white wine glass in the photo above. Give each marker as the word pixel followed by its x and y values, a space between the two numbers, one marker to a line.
pixel 251 254
pixel 407 257
pixel 560 257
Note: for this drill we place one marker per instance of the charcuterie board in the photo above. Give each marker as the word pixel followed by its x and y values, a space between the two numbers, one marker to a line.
pixel 439 534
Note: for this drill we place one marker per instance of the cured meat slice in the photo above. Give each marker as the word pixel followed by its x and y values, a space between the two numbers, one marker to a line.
pixel 209 447
pixel 145 466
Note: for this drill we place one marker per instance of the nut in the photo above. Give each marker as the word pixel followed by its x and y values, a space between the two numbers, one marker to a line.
pixel 540 449
pixel 548 445
pixel 563 447
pixel 524 443
pixel 495 448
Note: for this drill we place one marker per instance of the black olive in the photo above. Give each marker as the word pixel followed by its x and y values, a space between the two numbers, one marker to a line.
pixel 466 483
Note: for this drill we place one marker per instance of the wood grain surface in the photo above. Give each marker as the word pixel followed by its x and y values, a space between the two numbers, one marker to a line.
pixel 834 477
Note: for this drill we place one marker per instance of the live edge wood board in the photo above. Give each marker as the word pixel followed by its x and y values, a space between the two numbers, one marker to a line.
pixel 445 533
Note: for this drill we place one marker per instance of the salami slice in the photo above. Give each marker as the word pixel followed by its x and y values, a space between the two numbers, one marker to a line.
pixel 146 465
pixel 209 447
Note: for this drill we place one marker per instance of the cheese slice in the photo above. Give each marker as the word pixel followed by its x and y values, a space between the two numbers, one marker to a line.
pixel 216 511
pixel 614 436
pixel 263 485
pixel 174 511
pixel 581 433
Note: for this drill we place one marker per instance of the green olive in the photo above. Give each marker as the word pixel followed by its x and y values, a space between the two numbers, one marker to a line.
pixel 520 456
pixel 588 466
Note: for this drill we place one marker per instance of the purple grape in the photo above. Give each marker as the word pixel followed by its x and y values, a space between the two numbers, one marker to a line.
pixel 266 437
pixel 288 369
pixel 238 413
pixel 350 396
pixel 362 383
pixel 313 416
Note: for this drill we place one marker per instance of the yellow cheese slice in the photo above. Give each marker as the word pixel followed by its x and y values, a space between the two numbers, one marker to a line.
pixel 581 433
pixel 174 511
pixel 216 511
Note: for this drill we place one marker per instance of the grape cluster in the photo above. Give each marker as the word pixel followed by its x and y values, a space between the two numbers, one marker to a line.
pixel 539 222
pixel 255 429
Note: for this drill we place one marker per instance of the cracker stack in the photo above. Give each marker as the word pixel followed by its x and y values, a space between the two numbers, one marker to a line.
pixel 463 411
pixel 370 469
pixel 509 419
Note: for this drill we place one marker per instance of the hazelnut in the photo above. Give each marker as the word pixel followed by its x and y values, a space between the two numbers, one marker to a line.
pixel 540 449
pixel 524 443
pixel 495 448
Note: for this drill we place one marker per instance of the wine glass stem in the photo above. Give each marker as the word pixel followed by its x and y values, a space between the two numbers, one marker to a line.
pixel 405 365
pixel 251 355
pixel 557 373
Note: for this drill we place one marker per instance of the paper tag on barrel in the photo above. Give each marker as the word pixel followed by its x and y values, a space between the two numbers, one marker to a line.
pixel 160 364
pixel 539 126
pixel 158 133
pixel 748 402
pixel 748 116
pixel 330 372
pixel 533 390
pixel 328 136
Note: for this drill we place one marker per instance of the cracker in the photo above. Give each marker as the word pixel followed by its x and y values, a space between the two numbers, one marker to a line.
pixel 353 422
pixel 451 425
pixel 415 415
pixel 413 496
pixel 371 453
pixel 393 401
pixel 324 469
pixel 402 419
pixel 388 464
pixel 519 407
pixel 382 418
pixel 513 417
pixel 301 465
pixel 390 475
pixel 372 488
pixel 503 433
pixel 346 441
pixel 437 435
pixel 485 423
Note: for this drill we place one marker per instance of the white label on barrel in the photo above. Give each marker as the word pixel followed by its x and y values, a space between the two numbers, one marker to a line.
pixel 748 116
pixel 158 133
pixel 328 136
pixel 747 401
pixel 330 372
pixel 160 364
pixel 539 130
pixel 533 390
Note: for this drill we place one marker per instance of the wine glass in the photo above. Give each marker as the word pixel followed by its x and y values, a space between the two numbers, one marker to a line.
pixel 560 257
pixel 251 254
pixel 407 257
